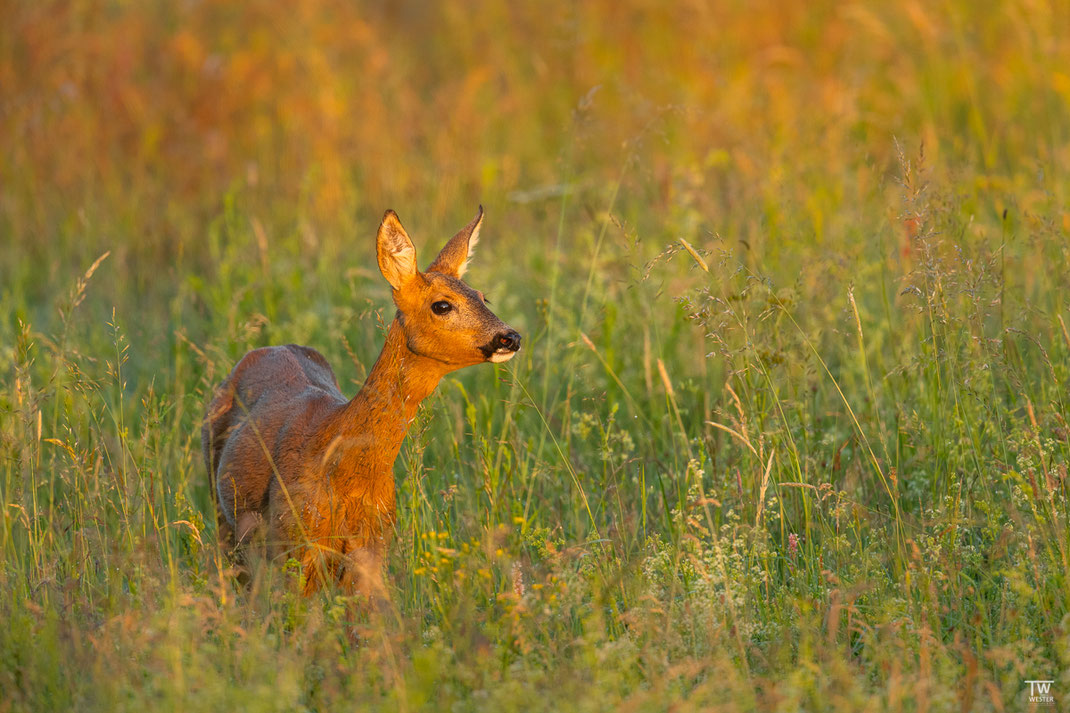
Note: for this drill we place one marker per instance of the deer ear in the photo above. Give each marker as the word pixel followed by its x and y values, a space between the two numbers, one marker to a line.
pixel 394 249
pixel 453 260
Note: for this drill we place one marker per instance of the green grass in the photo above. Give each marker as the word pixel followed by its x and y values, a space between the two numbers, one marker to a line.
pixel 788 432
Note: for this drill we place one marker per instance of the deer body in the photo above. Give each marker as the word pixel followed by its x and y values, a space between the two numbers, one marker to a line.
pixel 291 455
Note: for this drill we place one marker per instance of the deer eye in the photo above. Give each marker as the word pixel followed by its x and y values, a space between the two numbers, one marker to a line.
pixel 441 307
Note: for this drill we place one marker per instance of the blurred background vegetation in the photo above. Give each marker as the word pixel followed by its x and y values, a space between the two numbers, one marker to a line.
pixel 789 430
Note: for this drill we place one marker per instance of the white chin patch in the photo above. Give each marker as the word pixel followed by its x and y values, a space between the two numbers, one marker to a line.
pixel 502 355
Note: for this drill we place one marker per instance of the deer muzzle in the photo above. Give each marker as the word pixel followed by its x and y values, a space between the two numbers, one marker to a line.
pixel 504 346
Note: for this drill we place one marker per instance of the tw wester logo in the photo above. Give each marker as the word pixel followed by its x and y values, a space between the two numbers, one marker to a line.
pixel 1040 692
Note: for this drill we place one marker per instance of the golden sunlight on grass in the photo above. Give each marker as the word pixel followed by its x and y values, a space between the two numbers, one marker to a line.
pixel 788 430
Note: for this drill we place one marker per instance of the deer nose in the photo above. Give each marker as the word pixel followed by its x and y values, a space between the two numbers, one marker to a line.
pixel 509 340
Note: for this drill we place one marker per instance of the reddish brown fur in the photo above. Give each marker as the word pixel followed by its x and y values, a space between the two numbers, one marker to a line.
pixel 283 445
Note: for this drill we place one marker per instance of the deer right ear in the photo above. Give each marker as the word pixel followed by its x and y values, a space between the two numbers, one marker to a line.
pixel 453 260
pixel 394 249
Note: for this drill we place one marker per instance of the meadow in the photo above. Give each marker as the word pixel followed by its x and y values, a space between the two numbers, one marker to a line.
pixel 789 427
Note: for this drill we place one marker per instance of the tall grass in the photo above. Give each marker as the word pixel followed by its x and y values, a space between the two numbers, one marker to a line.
pixel 789 431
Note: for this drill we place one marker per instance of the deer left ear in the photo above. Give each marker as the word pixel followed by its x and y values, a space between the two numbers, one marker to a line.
pixel 453 260
pixel 394 251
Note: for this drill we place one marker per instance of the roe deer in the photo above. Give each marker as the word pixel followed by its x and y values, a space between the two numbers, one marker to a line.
pixel 285 448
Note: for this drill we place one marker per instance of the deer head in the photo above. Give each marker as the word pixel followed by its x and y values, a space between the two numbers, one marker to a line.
pixel 442 317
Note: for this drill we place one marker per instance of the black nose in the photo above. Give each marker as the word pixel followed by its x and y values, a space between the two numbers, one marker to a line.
pixel 509 340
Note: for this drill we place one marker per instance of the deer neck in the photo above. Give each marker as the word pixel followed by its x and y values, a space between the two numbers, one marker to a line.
pixel 374 423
